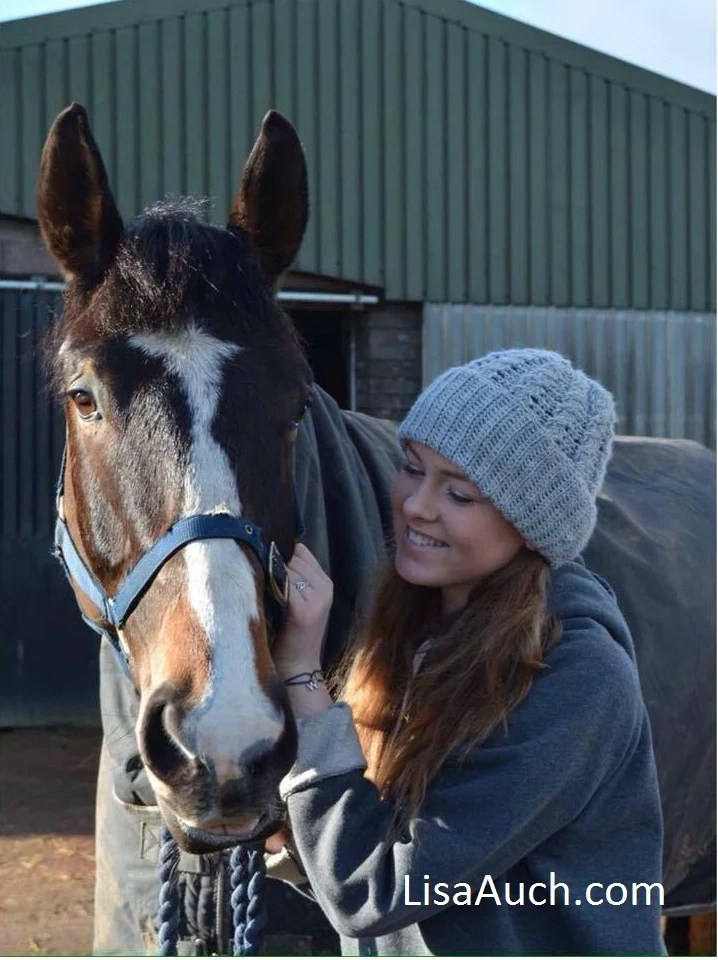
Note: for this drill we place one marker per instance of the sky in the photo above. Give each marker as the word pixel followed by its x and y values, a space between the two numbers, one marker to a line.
pixel 674 37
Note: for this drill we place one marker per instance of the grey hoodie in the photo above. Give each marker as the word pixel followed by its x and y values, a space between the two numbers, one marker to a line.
pixel 566 796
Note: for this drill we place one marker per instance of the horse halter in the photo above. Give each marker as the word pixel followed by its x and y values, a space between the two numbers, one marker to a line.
pixel 220 526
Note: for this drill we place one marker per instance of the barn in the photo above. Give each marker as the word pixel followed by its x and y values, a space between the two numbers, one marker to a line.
pixel 475 183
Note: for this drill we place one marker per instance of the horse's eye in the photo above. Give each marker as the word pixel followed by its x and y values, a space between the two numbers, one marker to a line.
pixel 294 425
pixel 85 403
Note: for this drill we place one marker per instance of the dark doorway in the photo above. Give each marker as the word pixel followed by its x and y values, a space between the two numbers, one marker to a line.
pixel 326 338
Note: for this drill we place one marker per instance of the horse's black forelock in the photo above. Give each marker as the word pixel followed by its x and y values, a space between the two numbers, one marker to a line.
pixel 171 268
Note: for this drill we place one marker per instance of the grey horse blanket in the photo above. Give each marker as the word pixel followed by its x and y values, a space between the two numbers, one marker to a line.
pixel 654 544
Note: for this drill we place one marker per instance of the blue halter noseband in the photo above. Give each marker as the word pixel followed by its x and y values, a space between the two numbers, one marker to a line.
pixel 221 526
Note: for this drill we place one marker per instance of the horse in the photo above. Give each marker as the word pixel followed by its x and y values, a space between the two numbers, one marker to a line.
pixel 196 437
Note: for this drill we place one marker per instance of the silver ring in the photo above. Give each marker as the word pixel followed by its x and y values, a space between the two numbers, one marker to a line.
pixel 301 584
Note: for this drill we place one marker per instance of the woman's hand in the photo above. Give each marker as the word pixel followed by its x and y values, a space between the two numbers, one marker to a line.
pixel 277 841
pixel 298 648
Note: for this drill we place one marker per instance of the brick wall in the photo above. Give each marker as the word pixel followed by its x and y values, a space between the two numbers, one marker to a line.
pixel 388 360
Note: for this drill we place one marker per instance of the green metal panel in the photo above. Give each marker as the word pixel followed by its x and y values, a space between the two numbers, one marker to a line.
pixel 149 127
pixel 435 145
pixel 10 113
pixel 56 72
pixel 697 204
pixel 393 85
pixel 599 192
pixel 31 121
pixel 498 181
pixel 538 144
pixel 349 141
pixel 308 122
pixel 558 167
pixel 477 169
pixel 127 121
pixel 220 184
pixel 658 205
pixel 261 63
pixel 79 56
pixel 678 203
pixel 638 191
pixel 518 218
pixel 414 222
pixel 328 106
pixel 578 180
pixel 370 143
pixel 456 226
pixel 619 199
pixel 454 154
pixel 240 130
pixel 284 50
pixel 102 107
pixel 195 99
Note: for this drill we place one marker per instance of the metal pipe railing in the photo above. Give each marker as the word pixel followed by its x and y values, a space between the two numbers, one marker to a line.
pixel 291 296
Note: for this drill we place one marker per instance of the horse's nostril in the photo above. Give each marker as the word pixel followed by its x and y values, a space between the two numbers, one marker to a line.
pixel 163 753
pixel 257 767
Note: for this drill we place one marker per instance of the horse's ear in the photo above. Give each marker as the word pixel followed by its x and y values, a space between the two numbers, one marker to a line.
pixel 79 220
pixel 272 204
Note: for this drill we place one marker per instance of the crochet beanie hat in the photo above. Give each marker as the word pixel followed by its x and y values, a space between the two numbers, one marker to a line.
pixel 534 435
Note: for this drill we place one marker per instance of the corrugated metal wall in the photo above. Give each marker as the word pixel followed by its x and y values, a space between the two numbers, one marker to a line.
pixel 48 658
pixel 660 367
pixel 454 155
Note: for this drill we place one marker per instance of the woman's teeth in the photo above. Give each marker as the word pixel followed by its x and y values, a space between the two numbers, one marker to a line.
pixel 420 541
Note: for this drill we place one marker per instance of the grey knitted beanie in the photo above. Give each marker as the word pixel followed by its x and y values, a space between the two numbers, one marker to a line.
pixel 534 435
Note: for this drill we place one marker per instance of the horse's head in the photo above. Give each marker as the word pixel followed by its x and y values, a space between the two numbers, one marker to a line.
pixel 182 384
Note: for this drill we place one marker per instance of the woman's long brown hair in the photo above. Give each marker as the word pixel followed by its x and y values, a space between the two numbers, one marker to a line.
pixel 480 666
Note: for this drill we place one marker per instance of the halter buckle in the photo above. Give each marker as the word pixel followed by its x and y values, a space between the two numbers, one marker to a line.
pixel 278 576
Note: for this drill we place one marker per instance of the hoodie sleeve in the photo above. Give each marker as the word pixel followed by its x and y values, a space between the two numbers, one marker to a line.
pixel 582 717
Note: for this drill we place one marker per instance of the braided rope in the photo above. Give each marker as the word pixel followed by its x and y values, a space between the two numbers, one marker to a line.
pixel 168 915
pixel 238 885
pixel 247 882
pixel 257 902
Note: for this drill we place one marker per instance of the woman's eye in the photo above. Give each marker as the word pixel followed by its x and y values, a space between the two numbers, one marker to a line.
pixel 84 402
pixel 459 497
pixel 412 471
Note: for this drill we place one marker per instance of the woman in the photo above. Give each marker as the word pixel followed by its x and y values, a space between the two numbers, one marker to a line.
pixel 486 784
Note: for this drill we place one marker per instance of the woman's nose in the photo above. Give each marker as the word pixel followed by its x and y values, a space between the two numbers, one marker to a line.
pixel 420 504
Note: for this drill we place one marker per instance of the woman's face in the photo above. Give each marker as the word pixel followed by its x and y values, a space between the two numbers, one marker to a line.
pixel 448 534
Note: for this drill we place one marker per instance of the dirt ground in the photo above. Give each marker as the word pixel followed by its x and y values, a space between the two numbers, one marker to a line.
pixel 47 857
pixel 47 825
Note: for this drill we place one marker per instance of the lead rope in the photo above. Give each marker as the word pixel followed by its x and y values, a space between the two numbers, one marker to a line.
pixel 249 914
pixel 247 883
pixel 168 916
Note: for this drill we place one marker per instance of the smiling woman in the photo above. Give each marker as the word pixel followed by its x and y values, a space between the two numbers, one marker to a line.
pixel 480 741
pixel 448 534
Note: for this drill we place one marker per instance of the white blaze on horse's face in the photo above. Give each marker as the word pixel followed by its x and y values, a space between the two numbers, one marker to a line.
pixel 235 719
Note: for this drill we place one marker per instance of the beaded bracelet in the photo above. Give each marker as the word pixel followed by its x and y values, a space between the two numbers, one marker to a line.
pixel 309 680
